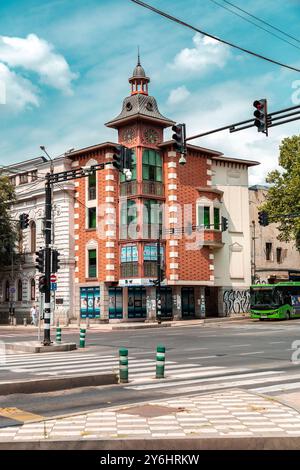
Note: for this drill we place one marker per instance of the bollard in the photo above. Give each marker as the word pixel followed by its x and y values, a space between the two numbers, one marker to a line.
pixel 160 362
pixel 123 364
pixel 58 334
pixel 82 338
pixel 25 321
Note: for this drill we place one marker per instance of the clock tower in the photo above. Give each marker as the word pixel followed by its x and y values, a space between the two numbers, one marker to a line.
pixel 140 123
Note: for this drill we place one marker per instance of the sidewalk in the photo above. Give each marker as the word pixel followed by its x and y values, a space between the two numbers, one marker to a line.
pixel 135 325
pixel 231 419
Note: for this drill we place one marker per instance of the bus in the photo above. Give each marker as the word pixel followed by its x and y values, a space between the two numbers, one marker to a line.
pixel 280 301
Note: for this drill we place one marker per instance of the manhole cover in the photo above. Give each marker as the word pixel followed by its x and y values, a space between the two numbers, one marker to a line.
pixel 150 411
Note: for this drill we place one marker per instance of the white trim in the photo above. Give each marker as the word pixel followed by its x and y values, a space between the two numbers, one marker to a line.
pixel 173 254
pixel 76 216
pixel 209 183
pixel 76 184
pixel 76 237
pixel 211 278
pixel 209 161
pixel 173 220
pixel 109 199
pixel 174 265
pixel 76 280
pixel 110 210
pixel 172 176
pixel 174 277
pixel 173 242
pixel 109 255
pixel 109 156
pixel 173 209
pixel 109 188
pixel 211 267
pixel 76 226
pixel 110 278
pixel 76 248
pixel 110 267
pixel 172 164
pixel 110 244
pixel 109 177
pixel 172 197
pixel 209 172
pixel 172 186
pixel 110 233
pixel 211 256
pixel 172 153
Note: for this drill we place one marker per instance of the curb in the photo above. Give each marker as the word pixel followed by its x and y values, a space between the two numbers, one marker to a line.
pixel 194 443
pixel 54 384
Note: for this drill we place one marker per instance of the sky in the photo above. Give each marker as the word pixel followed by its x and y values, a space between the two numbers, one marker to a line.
pixel 65 64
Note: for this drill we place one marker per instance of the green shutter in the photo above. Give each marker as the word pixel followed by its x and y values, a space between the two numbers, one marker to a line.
pixel 206 217
pixel 92 263
pixel 92 217
pixel 216 218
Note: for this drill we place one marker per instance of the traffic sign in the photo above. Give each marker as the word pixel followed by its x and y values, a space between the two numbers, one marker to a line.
pixel 53 278
pixel 53 286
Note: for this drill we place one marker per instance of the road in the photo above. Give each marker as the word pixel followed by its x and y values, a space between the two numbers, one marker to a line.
pixel 252 355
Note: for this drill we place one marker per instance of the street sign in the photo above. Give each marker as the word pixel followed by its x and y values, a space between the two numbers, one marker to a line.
pixel 53 278
pixel 53 286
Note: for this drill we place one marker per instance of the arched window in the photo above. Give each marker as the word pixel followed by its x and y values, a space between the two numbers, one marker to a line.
pixel 33 237
pixel 7 291
pixel 32 289
pixel 20 290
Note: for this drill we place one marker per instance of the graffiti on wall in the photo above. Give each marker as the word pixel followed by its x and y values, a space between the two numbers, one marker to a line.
pixel 236 301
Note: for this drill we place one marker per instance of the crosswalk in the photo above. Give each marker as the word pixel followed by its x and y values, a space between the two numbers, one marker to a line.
pixel 180 378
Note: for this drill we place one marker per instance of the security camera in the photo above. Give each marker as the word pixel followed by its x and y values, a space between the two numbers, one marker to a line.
pixel 182 160
pixel 128 174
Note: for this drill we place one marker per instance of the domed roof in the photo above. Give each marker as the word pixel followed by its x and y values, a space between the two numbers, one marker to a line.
pixel 139 71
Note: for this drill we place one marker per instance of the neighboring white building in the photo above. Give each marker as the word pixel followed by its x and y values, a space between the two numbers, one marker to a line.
pixel 232 262
pixel 19 284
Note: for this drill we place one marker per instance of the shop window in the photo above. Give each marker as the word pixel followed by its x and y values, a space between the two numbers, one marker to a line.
pixel 90 302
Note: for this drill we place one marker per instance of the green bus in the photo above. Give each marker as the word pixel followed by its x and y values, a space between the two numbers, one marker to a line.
pixel 281 301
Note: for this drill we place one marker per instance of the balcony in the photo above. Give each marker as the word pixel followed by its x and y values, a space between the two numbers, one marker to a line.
pixel 212 238
pixel 146 188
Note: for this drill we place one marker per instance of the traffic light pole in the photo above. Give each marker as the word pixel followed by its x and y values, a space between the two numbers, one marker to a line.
pixel 158 292
pixel 48 241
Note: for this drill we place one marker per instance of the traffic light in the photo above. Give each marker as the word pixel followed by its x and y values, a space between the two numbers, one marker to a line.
pixel 24 221
pixel 42 284
pixel 224 224
pixel 179 137
pixel 263 218
pixel 128 159
pixel 40 260
pixel 119 157
pixel 55 261
pixel 261 116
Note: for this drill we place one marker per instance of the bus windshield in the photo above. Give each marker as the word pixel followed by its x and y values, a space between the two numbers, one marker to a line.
pixel 265 297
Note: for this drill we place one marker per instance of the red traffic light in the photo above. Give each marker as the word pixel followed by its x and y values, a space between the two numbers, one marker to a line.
pixel 259 104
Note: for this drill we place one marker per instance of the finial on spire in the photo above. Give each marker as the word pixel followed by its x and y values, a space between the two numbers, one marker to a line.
pixel 139 61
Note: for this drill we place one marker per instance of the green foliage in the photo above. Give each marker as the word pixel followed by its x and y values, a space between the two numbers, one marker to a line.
pixel 8 233
pixel 284 194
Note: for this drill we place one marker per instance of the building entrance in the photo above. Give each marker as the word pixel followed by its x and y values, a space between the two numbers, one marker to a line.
pixel 137 302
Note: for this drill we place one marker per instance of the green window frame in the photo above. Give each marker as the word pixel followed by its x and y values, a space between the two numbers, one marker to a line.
pixel 216 218
pixel 206 217
pixel 152 166
pixel 92 187
pixel 92 263
pixel 133 170
pixel 152 213
pixel 92 217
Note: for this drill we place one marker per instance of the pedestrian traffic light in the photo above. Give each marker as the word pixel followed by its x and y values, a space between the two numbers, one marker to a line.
pixel 119 157
pixel 263 218
pixel 40 260
pixel 55 261
pixel 24 221
pixel 261 116
pixel 179 137
pixel 42 284
pixel 224 224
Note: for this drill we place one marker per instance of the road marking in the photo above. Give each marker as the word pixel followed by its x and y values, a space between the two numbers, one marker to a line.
pixel 202 357
pixel 19 415
pixel 276 388
pixel 240 346
pixel 277 342
pixel 175 384
pixel 248 353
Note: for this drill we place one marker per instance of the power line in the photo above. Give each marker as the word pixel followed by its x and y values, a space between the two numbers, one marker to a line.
pixel 255 24
pixel 262 21
pixel 183 23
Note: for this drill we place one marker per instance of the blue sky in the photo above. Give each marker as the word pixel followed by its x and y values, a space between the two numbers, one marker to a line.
pixel 66 63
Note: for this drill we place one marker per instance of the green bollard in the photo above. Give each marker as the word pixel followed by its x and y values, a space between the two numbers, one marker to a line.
pixel 160 362
pixel 82 338
pixel 58 335
pixel 123 365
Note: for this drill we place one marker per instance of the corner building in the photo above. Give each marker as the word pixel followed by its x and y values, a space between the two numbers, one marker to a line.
pixel 117 223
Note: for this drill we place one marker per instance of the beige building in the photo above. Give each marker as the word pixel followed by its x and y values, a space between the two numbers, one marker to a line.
pixel 271 259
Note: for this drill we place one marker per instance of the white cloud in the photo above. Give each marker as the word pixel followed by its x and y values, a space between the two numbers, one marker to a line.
pixel 18 91
pixel 36 55
pixel 178 95
pixel 207 53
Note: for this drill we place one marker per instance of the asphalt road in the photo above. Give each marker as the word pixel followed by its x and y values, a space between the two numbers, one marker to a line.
pixel 208 357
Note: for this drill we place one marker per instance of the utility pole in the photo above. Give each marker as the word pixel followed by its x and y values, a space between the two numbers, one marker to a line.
pixel 254 253
pixel 48 251
pixel 158 291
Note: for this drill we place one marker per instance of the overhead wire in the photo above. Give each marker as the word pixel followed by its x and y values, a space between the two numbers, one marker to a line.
pixel 183 23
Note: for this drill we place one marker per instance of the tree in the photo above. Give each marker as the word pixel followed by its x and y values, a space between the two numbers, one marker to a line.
pixel 284 194
pixel 8 232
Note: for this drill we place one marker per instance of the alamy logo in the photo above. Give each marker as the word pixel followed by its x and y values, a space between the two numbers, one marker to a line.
pixel 2 354
pixel 296 354
pixel 296 94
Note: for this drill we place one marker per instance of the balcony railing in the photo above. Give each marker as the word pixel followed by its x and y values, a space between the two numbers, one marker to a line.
pixel 149 188
pixel 150 269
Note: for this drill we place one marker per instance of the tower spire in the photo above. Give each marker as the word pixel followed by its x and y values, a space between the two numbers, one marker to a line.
pixel 139 81
pixel 139 60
